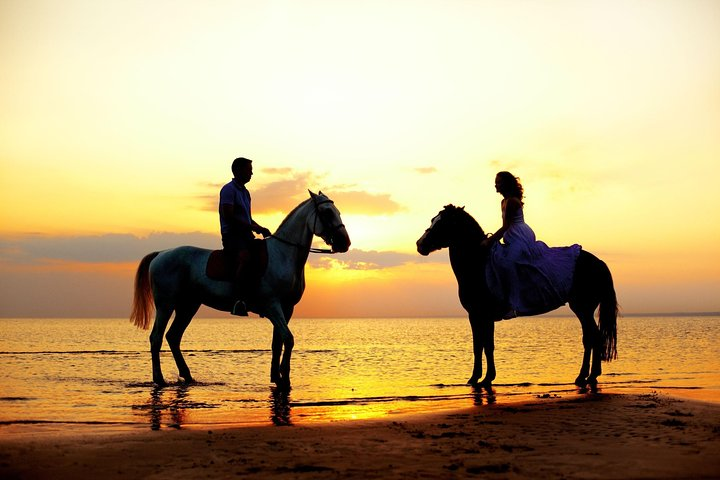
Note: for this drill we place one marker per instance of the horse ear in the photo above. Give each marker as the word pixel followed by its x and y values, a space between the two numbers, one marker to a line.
pixel 312 195
pixel 462 208
pixel 320 192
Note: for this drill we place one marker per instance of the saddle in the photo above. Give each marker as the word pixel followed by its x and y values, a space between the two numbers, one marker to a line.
pixel 221 266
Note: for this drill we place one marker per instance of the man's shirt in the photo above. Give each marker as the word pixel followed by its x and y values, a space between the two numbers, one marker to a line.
pixel 239 197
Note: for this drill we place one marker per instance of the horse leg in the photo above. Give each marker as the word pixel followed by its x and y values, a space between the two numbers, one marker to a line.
pixel 276 315
pixel 477 350
pixel 183 316
pixel 488 336
pixel 162 316
pixel 596 365
pixel 590 338
pixel 277 344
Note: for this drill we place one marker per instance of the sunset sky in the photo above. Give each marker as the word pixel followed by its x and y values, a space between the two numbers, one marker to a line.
pixel 119 121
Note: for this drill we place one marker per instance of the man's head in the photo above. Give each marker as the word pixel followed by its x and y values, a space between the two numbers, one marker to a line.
pixel 242 169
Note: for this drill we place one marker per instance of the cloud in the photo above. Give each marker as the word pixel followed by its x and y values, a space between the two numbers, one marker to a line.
pixel 364 203
pixel 119 248
pixel 426 170
pixel 281 196
pixel 278 171
pixel 98 248
pixel 373 260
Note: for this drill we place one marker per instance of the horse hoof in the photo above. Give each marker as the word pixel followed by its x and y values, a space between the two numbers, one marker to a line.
pixel 581 382
pixel 472 381
pixel 160 383
pixel 487 384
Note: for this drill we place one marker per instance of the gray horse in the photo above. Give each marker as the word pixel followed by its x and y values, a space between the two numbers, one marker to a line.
pixel 176 280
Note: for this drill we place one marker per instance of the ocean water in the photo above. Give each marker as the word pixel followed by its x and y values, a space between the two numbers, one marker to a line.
pixel 97 371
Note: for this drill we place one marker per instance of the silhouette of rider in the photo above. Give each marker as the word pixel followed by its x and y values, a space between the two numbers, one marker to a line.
pixel 532 277
pixel 237 227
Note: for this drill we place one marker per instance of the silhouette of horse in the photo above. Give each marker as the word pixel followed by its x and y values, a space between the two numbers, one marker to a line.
pixel 592 287
pixel 176 280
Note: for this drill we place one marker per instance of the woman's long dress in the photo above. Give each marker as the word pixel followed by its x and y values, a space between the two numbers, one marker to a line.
pixel 526 274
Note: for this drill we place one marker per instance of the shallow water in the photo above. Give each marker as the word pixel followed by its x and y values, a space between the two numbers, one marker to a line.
pixel 88 371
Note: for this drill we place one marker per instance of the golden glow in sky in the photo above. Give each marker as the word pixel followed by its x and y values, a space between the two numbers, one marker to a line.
pixel 119 120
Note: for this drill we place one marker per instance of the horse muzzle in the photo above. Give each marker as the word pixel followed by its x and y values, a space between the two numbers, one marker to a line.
pixel 340 241
pixel 423 246
pixel 423 250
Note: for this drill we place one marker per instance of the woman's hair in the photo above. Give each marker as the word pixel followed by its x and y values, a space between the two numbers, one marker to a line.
pixel 510 185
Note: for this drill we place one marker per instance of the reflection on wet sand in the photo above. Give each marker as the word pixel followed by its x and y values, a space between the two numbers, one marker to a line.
pixel 280 411
pixel 166 405
pixel 172 407
pixel 483 395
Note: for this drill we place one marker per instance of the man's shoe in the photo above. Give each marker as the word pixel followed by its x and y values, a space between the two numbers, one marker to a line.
pixel 240 309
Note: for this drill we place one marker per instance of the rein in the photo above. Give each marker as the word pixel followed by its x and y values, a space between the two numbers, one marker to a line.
pixel 297 245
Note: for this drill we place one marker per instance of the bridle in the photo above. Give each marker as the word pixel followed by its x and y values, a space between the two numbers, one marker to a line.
pixel 430 234
pixel 332 229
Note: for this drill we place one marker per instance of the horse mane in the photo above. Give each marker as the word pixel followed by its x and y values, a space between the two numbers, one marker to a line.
pixel 292 212
pixel 468 219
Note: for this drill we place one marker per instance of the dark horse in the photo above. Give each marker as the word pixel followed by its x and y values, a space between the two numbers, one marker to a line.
pixel 592 287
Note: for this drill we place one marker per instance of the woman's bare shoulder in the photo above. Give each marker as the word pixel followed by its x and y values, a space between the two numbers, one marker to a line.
pixel 513 202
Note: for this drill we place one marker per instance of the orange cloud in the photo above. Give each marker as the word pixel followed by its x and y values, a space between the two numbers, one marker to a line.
pixel 364 203
pixel 281 196
pixel 374 260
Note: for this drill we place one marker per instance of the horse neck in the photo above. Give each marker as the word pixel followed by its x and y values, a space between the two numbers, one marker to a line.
pixel 466 255
pixel 294 229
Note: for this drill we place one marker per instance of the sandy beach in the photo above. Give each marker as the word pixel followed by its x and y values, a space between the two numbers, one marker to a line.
pixel 595 436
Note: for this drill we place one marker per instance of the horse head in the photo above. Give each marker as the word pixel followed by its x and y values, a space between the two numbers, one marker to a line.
pixel 327 224
pixel 446 227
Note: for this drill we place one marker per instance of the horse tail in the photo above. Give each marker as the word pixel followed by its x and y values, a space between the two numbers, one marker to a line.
pixel 608 317
pixel 143 296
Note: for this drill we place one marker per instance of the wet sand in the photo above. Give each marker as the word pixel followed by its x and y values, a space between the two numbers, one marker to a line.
pixel 596 436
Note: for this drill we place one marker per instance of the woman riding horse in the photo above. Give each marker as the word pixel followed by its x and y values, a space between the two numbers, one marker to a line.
pixel 529 276
pixel 591 289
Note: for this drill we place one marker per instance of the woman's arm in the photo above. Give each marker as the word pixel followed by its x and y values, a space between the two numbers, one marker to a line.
pixel 512 205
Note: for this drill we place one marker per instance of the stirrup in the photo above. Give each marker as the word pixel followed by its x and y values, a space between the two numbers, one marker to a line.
pixel 240 309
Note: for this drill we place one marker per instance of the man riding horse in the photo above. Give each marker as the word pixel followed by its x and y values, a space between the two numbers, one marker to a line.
pixel 236 228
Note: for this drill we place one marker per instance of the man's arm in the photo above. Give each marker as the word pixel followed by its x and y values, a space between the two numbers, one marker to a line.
pixel 260 229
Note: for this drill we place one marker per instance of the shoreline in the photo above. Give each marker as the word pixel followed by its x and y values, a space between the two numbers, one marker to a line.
pixel 284 412
pixel 608 435
pixel 295 414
